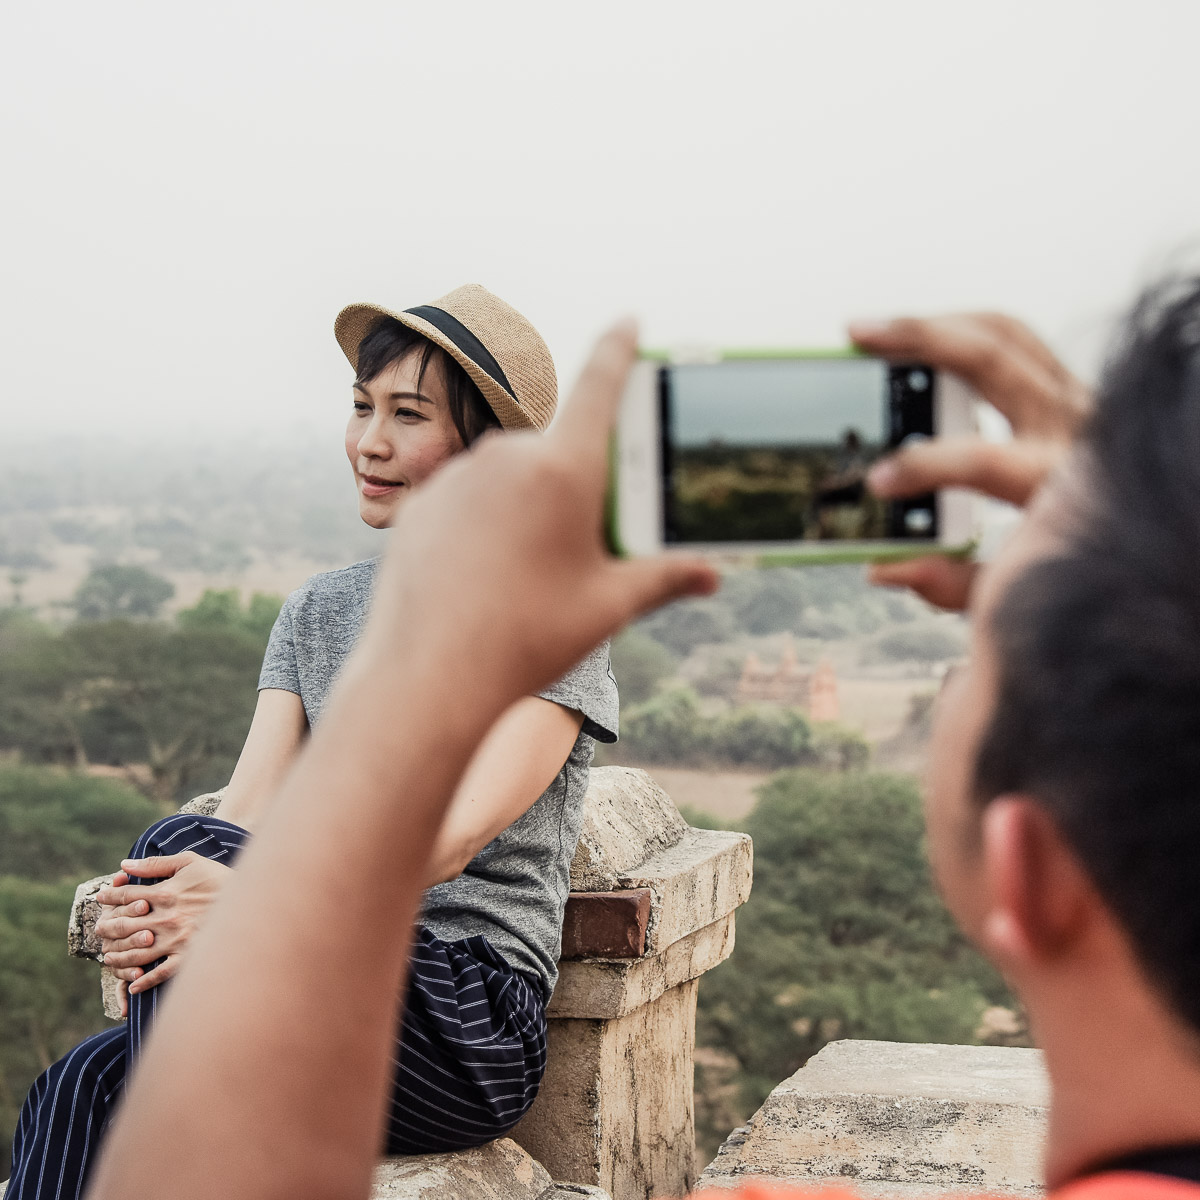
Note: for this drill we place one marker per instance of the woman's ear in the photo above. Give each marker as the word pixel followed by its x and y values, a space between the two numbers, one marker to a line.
pixel 1039 900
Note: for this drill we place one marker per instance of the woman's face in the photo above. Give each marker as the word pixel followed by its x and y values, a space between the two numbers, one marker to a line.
pixel 399 434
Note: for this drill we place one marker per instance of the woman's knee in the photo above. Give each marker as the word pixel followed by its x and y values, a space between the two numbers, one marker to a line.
pixel 207 836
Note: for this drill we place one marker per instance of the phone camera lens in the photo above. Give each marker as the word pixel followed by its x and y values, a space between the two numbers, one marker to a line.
pixel 918 381
pixel 918 520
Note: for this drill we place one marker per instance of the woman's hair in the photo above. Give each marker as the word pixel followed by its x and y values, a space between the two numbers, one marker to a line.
pixel 388 341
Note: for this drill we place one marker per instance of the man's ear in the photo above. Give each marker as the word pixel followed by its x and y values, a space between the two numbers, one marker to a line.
pixel 1039 899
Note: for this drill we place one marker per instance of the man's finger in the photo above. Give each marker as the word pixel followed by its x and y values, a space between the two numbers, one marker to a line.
pixel 126 974
pixel 644 584
pixel 943 582
pixel 590 413
pixel 1009 471
pixel 157 866
pixel 985 354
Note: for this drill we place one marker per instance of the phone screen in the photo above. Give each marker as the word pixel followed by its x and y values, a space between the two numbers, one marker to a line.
pixel 775 450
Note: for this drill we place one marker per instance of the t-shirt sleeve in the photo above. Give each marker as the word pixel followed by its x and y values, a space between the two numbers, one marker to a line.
pixel 279 669
pixel 591 689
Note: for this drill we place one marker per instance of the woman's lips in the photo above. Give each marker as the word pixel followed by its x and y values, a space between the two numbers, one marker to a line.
pixel 378 487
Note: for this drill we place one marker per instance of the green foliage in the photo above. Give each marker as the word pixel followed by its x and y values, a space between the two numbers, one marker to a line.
pixel 667 729
pixel 57 828
pixel 48 1001
pixel 919 643
pixel 672 729
pixel 639 665
pixel 761 736
pixel 179 700
pixel 61 826
pixel 115 590
pixel 218 609
pixel 843 935
pixel 811 602
pixel 683 626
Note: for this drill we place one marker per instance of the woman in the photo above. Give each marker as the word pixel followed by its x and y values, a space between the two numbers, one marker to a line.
pixel 471 1050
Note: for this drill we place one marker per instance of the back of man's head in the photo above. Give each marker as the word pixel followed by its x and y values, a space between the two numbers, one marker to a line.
pixel 1098 707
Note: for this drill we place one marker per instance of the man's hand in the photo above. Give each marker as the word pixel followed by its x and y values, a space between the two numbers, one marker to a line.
pixel 1011 368
pixel 145 922
pixel 497 565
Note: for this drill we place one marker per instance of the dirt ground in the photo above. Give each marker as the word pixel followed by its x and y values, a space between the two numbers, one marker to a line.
pixel 48 590
pixel 727 795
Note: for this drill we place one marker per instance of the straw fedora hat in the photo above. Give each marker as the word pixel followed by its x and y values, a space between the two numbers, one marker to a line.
pixel 500 350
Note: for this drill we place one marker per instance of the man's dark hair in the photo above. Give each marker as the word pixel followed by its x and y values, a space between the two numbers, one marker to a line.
pixel 388 341
pixel 1098 705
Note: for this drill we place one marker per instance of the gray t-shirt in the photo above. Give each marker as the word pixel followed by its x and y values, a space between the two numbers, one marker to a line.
pixel 515 888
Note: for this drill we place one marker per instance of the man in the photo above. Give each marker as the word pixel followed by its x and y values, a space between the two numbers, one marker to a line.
pixel 1062 809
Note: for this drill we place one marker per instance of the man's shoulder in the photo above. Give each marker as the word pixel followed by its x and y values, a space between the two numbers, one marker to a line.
pixel 1125 1185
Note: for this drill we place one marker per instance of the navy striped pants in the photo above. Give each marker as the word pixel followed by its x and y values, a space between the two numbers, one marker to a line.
pixel 469 1056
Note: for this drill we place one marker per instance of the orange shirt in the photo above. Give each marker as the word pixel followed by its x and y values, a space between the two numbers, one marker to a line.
pixel 1107 1185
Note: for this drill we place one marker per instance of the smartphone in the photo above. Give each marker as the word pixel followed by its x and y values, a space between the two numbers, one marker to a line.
pixel 762 456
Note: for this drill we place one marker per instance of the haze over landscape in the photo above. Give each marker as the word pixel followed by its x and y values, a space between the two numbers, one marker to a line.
pixel 194 193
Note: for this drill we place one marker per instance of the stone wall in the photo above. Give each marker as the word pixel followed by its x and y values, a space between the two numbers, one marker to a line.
pixel 899 1120
pixel 651 909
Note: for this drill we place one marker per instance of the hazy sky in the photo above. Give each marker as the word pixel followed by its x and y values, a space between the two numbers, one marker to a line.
pixel 191 192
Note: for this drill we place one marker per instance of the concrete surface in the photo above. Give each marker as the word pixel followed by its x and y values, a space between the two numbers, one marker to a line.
pixel 896 1119
pixel 615 1111
pixel 616 1107
pixel 627 818
pixel 498 1171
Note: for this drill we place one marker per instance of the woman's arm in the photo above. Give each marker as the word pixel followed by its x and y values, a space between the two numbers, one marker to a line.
pixel 516 763
pixel 276 735
pixel 141 923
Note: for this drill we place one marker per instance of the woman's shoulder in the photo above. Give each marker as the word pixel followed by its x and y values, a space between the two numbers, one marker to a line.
pixel 337 586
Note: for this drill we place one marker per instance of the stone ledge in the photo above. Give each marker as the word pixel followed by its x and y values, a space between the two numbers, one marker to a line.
pixel 899 1120
pixel 602 989
pixel 627 819
pixel 701 878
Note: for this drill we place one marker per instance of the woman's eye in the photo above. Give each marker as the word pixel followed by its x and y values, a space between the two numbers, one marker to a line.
pixel 408 414
pixel 360 407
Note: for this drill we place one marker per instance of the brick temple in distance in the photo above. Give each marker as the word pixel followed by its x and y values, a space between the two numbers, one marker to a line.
pixel 788 682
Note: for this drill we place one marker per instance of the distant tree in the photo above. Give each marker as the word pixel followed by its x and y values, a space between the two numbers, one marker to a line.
pixel 669 728
pixel 843 935
pixel 115 590
pixel 765 602
pixel 761 736
pixel 182 697
pixel 48 1001
pixel 639 665
pixel 62 826
pixel 44 693
pixel 218 609
pixel 919 643
pixel 683 626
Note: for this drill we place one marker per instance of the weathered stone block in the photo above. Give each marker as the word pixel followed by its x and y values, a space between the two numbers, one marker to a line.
pixel 898 1120
pixel 616 1104
pixel 627 818
pixel 498 1171
pixel 607 989
pixel 615 1110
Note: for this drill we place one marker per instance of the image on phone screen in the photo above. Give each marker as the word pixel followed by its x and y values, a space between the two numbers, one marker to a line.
pixel 778 450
